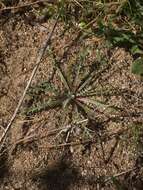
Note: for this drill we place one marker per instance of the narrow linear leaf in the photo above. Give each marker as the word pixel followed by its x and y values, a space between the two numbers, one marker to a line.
pixel 45 106
pixel 85 109
pixel 63 78
pixel 66 102
pixel 85 81
pixel 76 78
pixel 98 104
pixel 60 72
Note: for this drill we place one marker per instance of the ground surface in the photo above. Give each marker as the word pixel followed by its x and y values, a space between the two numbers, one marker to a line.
pixel 116 142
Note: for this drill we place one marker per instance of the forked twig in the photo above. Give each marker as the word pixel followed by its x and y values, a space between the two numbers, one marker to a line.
pixel 38 61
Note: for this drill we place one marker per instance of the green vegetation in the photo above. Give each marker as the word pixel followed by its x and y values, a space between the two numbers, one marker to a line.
pixel 118 22
pixel 79 88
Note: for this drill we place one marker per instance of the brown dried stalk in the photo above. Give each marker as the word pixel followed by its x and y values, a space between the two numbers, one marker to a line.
pixel 38 61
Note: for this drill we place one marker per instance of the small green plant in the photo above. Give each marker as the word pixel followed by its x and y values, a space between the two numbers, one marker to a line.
pixel 76 93
pixel 137 66
pixel 122 38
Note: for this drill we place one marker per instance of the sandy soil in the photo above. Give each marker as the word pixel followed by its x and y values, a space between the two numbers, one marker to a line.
pixel 116 143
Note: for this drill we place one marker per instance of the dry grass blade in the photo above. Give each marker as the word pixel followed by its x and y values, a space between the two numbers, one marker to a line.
pixel 38 61
pixel 69 144
pixel 29 4
pixel 78 3
pixel 120 174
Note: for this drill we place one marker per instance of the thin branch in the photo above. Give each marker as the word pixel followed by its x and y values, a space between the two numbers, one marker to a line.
pixel 29 4
pixel 120 174
pixel 68 144
pixel 38 61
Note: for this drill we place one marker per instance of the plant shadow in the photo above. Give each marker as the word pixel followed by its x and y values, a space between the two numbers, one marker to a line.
pixel 3 166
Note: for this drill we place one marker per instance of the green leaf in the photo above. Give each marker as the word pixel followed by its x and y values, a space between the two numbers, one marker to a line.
pixel 82 25
pixel 118 39
pixel 94 102
pixel 137 66
pixel 85 110
pixel 66 102
pixel 128 38
pixel 86 80
pixel 63 78
pixel 61 73
pixel 136 50
pixel 51 104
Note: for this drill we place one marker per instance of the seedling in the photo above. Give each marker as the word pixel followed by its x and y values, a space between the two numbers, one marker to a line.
pixel 78 92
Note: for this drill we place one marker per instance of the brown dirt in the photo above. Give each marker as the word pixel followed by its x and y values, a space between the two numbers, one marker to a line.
pixel 33 165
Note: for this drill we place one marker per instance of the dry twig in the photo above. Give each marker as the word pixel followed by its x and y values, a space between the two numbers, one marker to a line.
pixel 38 61
pixel 29 4
pixel 69 144
pixel 120 174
